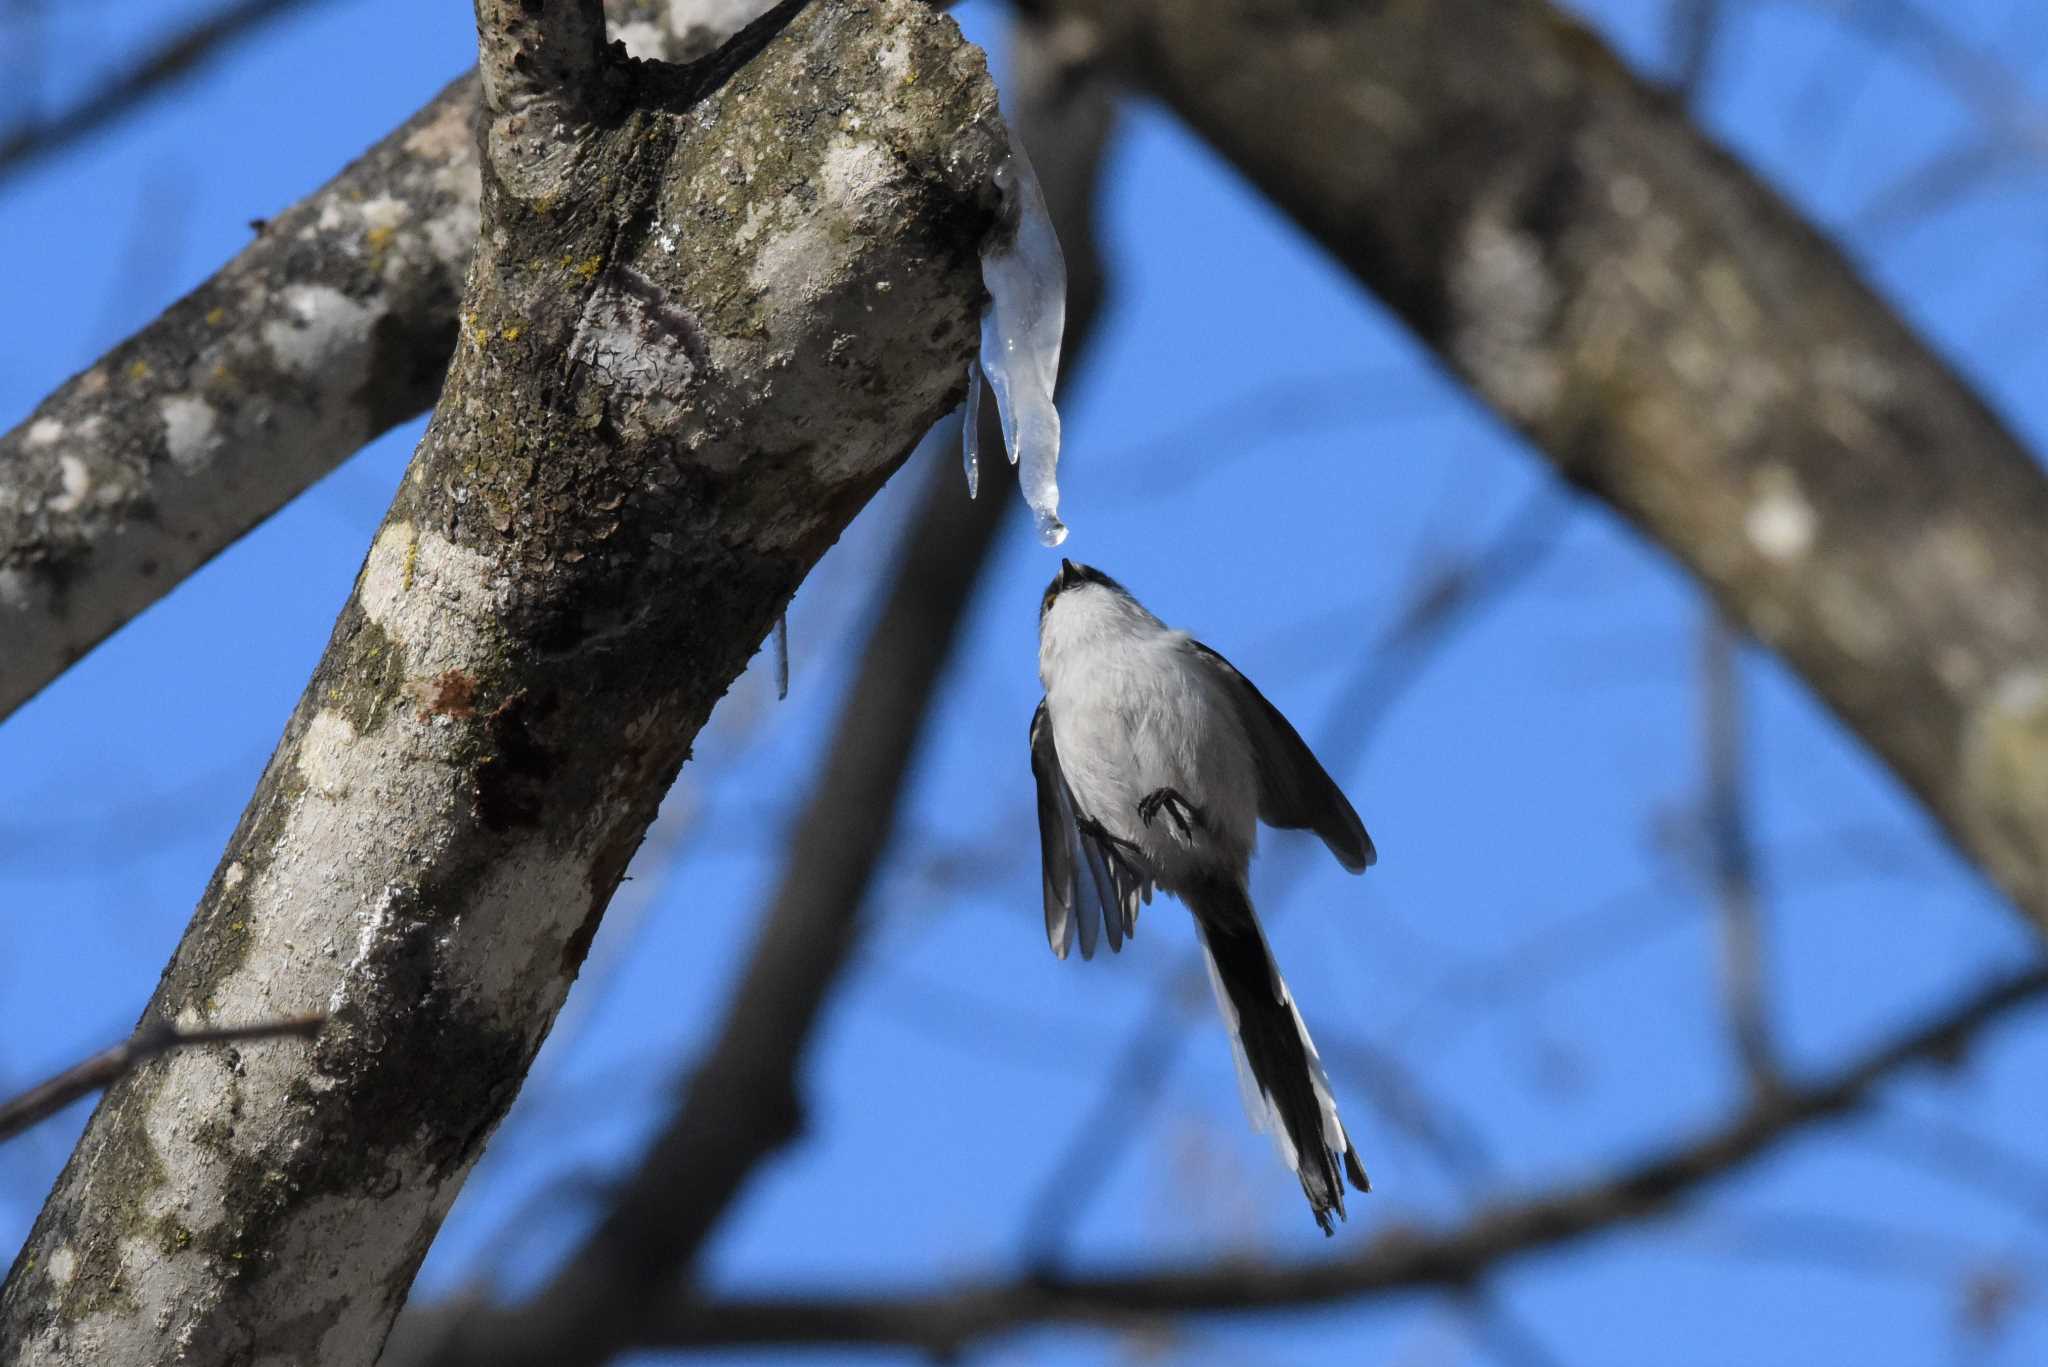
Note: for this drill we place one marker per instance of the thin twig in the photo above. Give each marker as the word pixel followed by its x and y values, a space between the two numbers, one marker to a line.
pixel 1731 855
pixel 176 58
pixel 1695 29
pixel 108 1066
pixel 945 1319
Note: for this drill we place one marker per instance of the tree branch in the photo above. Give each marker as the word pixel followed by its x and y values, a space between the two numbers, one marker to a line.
pixel 334 326
pixel 945 1321
pixel 533 52
pixel 652 428
pixel 1675 339
pixel 741 1103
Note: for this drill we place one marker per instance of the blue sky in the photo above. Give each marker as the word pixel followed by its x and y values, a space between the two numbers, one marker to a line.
pixel 1260 453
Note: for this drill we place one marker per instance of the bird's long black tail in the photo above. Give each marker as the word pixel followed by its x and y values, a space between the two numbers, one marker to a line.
pixel 1284 1087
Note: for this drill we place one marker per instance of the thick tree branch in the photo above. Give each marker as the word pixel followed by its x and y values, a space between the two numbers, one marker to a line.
pixel 741 1103
pixel 334 326
pixel 944 1321
pixel 652 428
pixel 1674 338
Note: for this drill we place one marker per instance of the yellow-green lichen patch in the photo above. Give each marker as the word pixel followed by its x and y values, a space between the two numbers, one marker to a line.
pixel 2005 758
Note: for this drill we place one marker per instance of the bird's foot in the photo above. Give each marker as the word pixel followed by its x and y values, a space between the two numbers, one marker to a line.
pixel 1183 812
pixel 1091 827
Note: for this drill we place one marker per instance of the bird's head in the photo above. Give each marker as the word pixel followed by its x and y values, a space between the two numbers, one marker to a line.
pixel 1073 576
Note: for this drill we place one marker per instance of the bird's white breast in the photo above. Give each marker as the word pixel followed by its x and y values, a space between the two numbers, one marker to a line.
pixel 1134 709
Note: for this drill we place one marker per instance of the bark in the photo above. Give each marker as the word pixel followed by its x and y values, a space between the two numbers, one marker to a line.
pixel 332 327
pixel 706 320
pixel 743 1102
pixel 1672 337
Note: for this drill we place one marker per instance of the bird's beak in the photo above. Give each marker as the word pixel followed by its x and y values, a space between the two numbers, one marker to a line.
pixel 1067 574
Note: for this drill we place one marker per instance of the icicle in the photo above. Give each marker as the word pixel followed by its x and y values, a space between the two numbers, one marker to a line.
pixel 970 429
pixel 781 656
pixel 1020 337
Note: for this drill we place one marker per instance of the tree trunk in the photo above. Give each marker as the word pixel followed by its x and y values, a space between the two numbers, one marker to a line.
pixel 707 318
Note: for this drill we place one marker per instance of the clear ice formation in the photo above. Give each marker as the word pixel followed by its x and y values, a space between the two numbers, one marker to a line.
pixel 970 429
pixel 1020 339
pixel 781 656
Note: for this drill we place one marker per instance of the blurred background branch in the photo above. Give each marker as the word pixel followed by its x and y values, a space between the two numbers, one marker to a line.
pixel 176 58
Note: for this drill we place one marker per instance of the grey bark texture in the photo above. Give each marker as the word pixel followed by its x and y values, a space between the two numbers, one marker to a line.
pixel 707 318
pixel 329 329
pixel 742 1101
pixel 1672 337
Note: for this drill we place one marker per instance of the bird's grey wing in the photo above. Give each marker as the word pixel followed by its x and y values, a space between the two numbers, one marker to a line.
pixel 1295 791
pixel 1089 883
pixel 1056 835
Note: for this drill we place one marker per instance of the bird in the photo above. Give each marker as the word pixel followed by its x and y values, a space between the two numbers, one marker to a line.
pixel 1154 761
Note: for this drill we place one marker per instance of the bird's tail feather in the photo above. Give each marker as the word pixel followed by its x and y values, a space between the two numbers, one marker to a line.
pixel 1285 1091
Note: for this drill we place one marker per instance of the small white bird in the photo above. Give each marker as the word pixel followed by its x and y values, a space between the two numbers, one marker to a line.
pixel 1155 762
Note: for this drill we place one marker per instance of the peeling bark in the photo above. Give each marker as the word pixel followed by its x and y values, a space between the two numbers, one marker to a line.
pixel 1672 337
pixel 703 326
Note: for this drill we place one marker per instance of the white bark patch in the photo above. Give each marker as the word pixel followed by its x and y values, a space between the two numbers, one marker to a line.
pixel 894 59
pixel 75 477
pixel 324 753
pixel 552 895
pixel 448 138
pixel 191 430
pixel 643 40
pixel 786 269
pixel 1504 300
pixel 432 596
pixel 1780 522
pixel 637 341
pixel 385 212
pixel 322 336
pixel 44 432
pixel 720 16
pixel 2005 757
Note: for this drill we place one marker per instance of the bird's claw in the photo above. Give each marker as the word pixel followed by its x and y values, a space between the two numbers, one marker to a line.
pixel 1184 813
pixel 1091 827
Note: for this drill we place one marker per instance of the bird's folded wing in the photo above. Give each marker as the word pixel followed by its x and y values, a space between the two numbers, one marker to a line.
pixel 1295 791
pixel 1090 882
